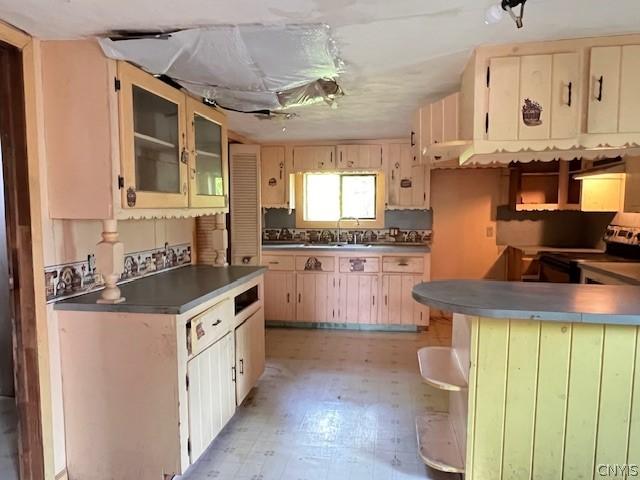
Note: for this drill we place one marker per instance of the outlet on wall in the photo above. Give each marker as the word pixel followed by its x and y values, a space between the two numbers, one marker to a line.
pixel 490 232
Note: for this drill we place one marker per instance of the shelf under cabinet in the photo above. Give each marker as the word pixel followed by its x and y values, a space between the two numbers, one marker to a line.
pixel 154 140
pixel 440 369
pixel 437 444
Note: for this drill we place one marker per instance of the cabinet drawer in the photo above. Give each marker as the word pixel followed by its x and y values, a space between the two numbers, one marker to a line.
pixel 277 262
pixel 360 264
pixel 209 327
pixel 315 263
pixel 403 264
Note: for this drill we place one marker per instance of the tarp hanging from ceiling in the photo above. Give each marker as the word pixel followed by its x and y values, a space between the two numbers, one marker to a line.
pixel 247 68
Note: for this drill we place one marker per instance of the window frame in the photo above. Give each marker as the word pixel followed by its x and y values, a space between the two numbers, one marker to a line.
pixel 301 195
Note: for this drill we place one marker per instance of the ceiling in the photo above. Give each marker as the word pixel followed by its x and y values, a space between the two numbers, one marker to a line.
pixel 398 54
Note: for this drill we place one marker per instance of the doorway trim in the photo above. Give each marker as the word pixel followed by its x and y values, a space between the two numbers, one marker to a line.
pixel 33 390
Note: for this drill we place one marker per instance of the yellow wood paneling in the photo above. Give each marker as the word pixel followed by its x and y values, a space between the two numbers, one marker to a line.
pixel 553 378
pixel 633 455
pixel 490 383
pixel 618 361
pixel 583 401
pixel 520 400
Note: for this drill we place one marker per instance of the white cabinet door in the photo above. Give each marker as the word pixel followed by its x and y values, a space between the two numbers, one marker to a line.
pixel 414 138
pixel 359 157
pixel 211 394
pixel 313 158
pixel 629 89
pixel 315 297
pixel 504 98
pixel 450 124
pixel 273 176
pixel 358 298
pixel 279 296
pixel 604 89
pixel 250 354
pixel 534 118
pixel 398 306
pixel 565 95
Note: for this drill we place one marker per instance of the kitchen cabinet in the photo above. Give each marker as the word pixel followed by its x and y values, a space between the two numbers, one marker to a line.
pixel 632 186
pixel 360 157
pixel 280 302
pixel 315 297
pixel 533 97
pixel 629 92
pixel 407 182
pixel 603 193
pixel 313 158
pixel 212 396
pixel 358 300
pixel 344 287
pixel 250 354
pixel 155 151
pixel 414 138
pixel 440 131
pixel 398 305
pixel 208 144
pixel 168 381
pixel 273 177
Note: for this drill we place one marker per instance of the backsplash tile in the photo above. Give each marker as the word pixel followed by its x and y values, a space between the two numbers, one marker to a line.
pixel 75 278
pixel 331 235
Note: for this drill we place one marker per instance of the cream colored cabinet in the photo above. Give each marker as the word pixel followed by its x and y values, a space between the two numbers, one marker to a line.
pixel 614 101
pixel 360 157
pixel 358 298
pixel 154 150
pixel 398 305
pixel 315 297
pixel 274 177
pixel 632 186
pixel 280 294
pixel 250 354
pixel 211 393
pixel 153 137
pixel 533 97
pixel 407 182
pixel 414 139
pixel 603 193
pixel 208 165
pixel 314 158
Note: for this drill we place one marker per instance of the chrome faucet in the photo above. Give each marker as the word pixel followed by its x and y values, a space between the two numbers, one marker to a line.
pixel 355 234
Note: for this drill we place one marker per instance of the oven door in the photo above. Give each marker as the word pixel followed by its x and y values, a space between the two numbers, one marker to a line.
pixel 554 272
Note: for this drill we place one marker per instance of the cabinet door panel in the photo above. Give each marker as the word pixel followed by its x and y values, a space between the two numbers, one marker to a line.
pixel 322 307
pixel 153 140
pixel 393 175
pixel 604 91
pixel 279 297
pixel 406 185
pixel 629 90
pixel 535 86
pixel 305 310
pixel 504 98
pixel 418 192
pixel 407 300
pixel 392 299
pixel 437 122
pixel 450 130
pixel 425 129
pixel 353 293
pixel 273 176
pixel 243 347
pixel 565 95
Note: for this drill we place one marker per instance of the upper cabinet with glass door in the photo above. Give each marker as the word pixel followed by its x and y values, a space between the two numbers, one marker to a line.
pixel 153 139
pixel 207 137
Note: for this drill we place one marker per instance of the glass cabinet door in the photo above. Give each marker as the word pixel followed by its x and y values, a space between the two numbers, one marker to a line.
pixel 153 137
pixel 208 156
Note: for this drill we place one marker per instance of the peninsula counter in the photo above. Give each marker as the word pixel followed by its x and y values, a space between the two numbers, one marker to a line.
pixel 544 380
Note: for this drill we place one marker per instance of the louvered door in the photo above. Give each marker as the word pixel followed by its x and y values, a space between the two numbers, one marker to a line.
pixel 245 204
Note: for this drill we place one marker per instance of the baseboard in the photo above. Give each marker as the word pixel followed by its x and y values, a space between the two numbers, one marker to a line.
pixel 62 475
pixel 343 326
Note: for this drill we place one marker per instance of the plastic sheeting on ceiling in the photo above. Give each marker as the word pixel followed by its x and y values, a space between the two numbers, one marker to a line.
pixel 246 68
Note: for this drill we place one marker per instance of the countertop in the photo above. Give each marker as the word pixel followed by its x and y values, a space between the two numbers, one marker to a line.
pixel 533 250
pixel 625 272
pixel 360 248
pixel 575 303
pixel 172 293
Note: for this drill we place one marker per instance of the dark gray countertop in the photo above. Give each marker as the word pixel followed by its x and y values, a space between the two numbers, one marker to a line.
pixel 606 304
pixel 622 271
pixel 360 248
pixel 171 293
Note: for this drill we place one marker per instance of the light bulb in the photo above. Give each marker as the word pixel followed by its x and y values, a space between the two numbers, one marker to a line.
pixel 493 14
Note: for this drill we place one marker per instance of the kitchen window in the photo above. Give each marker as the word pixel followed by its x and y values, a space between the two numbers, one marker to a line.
pixel 325 198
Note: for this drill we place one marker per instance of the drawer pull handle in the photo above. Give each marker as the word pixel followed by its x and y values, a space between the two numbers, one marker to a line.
pixel 233 374
pixel 386 300
pixel 374 300
pixel 274 263
pixel 600 82
pixel 403 264
pixel 288 298
pixel 299 297
pixel 216 323
pixel 242 366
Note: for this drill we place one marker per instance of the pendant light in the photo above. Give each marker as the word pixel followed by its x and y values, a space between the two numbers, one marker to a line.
pixel 495 12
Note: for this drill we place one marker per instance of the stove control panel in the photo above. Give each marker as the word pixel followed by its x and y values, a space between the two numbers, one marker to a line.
pixel 625 235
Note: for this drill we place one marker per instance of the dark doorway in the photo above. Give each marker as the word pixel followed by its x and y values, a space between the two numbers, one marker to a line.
pixel 21 453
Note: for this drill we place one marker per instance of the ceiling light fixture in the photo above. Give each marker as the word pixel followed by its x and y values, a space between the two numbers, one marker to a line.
pixel 494 12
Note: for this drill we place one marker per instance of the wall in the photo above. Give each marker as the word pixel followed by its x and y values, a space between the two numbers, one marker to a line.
pixel 464 204
pixel 6 341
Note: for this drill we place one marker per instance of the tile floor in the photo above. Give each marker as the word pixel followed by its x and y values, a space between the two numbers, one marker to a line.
pixel 8 439
pixel 331 405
